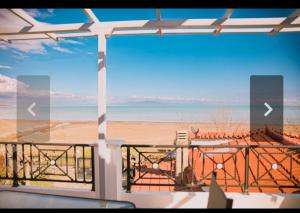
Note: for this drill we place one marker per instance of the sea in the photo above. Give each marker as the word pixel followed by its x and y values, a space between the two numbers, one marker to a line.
pixel 157 113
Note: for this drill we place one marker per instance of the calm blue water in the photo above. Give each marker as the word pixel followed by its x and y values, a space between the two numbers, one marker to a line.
pixel 161 113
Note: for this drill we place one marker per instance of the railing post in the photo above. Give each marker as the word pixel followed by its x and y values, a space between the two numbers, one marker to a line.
pixel 93 168
pixel 128 189
pixel 113 172
pixel 246 184
pixel 193 167
pixel 181 166
pixel 15 165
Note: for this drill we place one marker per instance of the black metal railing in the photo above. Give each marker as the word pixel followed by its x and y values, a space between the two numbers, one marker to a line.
pixel 69 163
pixel 190 167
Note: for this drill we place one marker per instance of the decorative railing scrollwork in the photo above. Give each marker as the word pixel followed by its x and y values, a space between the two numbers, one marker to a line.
pixel 69 163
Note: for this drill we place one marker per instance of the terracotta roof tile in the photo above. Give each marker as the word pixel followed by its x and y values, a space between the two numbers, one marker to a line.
pixel 241 138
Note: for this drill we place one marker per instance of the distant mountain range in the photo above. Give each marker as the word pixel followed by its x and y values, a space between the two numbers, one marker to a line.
pixel 156 103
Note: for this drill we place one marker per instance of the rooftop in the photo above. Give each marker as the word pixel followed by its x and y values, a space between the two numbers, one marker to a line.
pixel 264 175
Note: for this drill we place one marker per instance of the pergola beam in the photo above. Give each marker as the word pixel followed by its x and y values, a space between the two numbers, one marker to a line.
pixel 158 18
pixel 28 19
pixel 228 13
pixel 287 21
pixel 91 15
pixel 195 31
pixel 24 37
pixel 147 32
pixel 39 30
pixel 44 36
pixel 74 35
pixel 219 22
pixel 3 39
pixel 198 23
pixel 47 28
pixel 158 14
pixel 150 24
pixel 24 16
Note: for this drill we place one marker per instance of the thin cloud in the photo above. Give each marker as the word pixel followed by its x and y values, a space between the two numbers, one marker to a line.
pixel 82 98
pixel 289 101
pixel 8 90
pixel 5 67
pixel 35 13
pixel 167 98
pixel 70 41
pixel 38 46
pixel 292 101
pixel 18 55
pixel 160 99
pixel 28 46
pixel 61 49
pixel 8 86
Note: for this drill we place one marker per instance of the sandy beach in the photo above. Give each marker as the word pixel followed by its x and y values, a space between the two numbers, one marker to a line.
pixel 129 132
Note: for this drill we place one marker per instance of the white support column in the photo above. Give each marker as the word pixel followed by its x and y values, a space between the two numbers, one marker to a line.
pixel 102 87
pixel 102 113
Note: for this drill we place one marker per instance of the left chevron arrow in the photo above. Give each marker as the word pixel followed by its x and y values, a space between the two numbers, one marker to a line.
pixel 30 109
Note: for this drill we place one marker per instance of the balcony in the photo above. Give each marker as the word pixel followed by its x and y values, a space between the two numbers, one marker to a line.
pixel 254 175
pixel 40 174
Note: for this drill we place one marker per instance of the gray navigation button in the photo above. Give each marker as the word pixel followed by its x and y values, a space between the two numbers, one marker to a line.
pixel 33 108
pixel 266 105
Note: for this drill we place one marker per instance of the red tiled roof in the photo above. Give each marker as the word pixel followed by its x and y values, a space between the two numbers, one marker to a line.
pixel 233 171
pixel 218 135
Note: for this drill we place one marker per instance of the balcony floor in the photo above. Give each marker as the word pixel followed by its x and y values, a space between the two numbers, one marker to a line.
pixel 12 199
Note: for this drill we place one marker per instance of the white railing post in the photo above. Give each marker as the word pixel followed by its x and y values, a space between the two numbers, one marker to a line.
pixel 113 170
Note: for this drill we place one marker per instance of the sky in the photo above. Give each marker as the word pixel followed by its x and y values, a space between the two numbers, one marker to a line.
pixel 170 68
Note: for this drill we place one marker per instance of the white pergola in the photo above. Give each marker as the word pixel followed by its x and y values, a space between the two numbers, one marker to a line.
pixel 32 29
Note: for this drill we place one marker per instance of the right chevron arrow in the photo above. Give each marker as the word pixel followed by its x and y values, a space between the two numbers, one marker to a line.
pixel 270 109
